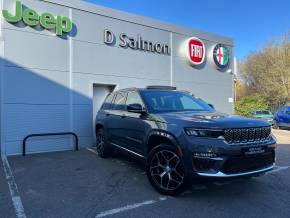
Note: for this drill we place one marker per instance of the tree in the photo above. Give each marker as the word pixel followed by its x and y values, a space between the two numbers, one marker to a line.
pixel 267 72
pixel 247 105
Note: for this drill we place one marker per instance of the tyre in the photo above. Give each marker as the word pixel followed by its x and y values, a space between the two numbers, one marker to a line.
pixel 166 171
pixel 103 149
pixel 276 126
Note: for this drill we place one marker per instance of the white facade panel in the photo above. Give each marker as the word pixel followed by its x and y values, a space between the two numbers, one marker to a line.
pixel 120 62
pixel 24 119
pixel 220 98
pixel 90 28
pixel 35 86
pixel 83 84
pixel 83 120
pixel 32 50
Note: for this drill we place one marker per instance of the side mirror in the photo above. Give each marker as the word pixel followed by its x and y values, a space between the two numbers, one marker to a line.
pixel 135 108
pixel 211 106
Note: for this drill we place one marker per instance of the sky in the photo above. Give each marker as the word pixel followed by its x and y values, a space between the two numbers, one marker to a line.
pixel 251 24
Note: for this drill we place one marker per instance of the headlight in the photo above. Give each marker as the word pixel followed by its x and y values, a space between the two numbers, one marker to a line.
pixel 210 133
pixel 195 132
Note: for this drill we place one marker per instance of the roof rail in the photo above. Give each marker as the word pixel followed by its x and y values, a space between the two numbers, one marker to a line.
pixel 161 87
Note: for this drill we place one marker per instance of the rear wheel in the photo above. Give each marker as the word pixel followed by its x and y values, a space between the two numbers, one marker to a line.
pixel 103 149
pixel 166 171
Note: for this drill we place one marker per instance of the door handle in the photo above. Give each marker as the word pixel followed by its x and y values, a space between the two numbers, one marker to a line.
pixel 123 116
pixel 108 115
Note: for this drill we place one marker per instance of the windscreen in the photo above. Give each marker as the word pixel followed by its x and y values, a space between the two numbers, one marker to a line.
pixel 263 112
pixel 173 101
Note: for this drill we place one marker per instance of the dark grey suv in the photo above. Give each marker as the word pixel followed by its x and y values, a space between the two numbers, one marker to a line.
pixel 181 138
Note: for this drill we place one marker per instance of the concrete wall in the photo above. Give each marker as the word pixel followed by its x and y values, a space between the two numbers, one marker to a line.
pixel 48 80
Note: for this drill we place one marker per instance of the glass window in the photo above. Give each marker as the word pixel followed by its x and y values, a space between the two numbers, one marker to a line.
pixel 119 103
pixel 134 98
pixel 170 101
pixel 188 104
pixel 108 102
pixel 263 112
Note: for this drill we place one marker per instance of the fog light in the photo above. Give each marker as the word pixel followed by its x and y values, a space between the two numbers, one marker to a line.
pixel 204 164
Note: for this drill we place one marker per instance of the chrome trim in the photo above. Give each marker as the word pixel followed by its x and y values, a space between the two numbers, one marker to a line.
pixel 267 142
pixel 125 149
pixel 223 175
pixel 207 129
pixel 216 158
pixel 209 158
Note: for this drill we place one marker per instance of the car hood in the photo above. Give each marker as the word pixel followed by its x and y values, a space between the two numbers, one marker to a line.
pixel 209 120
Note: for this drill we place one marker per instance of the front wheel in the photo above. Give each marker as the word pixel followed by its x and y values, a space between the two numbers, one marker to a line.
pixel 165 170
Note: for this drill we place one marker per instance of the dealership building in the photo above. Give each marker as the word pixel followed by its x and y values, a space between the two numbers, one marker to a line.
pixel 60 58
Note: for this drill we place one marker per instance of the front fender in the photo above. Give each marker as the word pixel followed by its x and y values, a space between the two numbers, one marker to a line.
pixel 164 134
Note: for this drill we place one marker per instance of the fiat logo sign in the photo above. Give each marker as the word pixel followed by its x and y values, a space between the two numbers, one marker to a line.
pixel 195 51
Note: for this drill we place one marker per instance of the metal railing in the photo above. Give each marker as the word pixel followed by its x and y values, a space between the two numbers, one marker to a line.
pixel 49 134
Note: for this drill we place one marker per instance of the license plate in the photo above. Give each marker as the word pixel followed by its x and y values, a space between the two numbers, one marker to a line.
pixel 254 150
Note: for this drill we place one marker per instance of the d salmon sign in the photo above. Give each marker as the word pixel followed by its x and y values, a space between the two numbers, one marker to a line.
pixel 221 56
pixel 195 51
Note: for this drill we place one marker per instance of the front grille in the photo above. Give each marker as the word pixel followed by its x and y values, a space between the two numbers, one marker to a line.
pixel 248 163
pixel 246 135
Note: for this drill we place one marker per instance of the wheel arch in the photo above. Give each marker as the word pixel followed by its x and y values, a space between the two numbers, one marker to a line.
pixel 156 138
pixel 98 126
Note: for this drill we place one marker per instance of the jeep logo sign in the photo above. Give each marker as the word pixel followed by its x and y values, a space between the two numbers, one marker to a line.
pixel 46 20
pixel 195 51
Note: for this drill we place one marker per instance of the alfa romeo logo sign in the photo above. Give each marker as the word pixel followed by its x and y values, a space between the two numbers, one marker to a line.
pixel 195 51
pixel 221 56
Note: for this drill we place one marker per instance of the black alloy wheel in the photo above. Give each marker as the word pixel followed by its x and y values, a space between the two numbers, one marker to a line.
pixel 165 170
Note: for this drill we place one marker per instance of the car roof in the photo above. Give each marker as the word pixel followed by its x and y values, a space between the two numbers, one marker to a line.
pixel 151 88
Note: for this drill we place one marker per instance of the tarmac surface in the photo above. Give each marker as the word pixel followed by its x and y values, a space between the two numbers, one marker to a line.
pixel 80 184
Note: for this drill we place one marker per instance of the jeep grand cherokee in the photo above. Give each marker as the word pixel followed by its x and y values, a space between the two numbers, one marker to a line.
pixel 182 138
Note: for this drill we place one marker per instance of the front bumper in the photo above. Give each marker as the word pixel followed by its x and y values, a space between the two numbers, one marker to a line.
pixel 226 161
pixel 220 174
pixel 243 164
